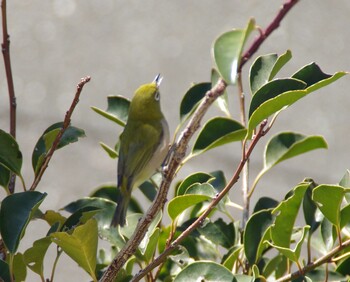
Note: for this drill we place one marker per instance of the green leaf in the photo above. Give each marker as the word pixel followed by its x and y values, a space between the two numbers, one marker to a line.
pixel 192 98
pixel 180 203
pixel 286 213
pixel 81 246
pixel 204 271
pixel 45 142
pixel 227 51
pixel 328 234
pixel 198 177
pixel 345 182
pixel 254 232
pixel 329 199
pixel 110 151
pixel 281 61
pixel 219 232
pixel 150 249
pixel 265 69
pixel 222 101
pixel 16 212
pixel 19 267
pixel 320 274
pixel 311 74
pixel 264 106
pixel 310 208
pixel 117 109
pixel 106 191
pixel 292 254
pixel 260 71
pixel 231 257
pixel 272 265
pixel 287 145
pixel 34 256
pixel 265 203
pixel 10 155
pixel 217 132
pixel 4 176
pixel 4 271
pixel 272 90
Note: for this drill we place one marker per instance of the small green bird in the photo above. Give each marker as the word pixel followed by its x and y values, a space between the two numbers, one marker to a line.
pixel 143 145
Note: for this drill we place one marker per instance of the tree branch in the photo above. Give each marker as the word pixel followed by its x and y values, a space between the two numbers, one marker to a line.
pixel 265 33
pixel 5 47
pixel 210 207
pixel 315 264
pixel 178 155
pixel 66 123
pixel 180 148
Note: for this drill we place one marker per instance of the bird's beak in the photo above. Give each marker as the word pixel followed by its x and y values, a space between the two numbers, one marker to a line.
pixel 158 79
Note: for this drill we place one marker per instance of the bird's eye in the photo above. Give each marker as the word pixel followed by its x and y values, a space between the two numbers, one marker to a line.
pixel 157 96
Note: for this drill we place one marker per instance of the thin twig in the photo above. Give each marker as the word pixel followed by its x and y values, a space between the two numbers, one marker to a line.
pixel 159 202
pixel 326 258
pixel 265 33
pixel 208 210
pixel 65 125
pixel 5 47
pixel 179 153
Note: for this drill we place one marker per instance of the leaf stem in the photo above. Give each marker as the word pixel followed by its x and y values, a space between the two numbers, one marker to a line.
pixel 66 123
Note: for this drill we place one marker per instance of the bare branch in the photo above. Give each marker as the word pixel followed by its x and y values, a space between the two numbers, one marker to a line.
pixel 66 123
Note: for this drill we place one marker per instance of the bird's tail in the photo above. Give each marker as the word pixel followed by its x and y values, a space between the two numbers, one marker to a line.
pixel 119 217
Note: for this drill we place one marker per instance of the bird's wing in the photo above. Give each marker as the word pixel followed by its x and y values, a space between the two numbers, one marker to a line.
pixel 134 156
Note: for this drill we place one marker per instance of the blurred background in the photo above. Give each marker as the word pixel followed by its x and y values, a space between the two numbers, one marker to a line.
pixel 122 44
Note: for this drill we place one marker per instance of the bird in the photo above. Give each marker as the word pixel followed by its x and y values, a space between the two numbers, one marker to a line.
pixel 144 144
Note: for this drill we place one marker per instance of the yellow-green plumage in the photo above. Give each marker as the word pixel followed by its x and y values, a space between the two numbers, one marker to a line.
pixel 143 145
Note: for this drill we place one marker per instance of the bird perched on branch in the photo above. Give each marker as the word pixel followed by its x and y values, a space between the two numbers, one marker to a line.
pixel 143 145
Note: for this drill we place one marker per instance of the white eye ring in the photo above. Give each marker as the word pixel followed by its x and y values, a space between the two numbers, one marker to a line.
pixel 157 96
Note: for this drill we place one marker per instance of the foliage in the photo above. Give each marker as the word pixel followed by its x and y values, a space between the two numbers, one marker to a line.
pixel 269 242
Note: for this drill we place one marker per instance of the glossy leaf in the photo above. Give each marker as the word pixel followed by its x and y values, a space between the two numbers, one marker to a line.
pixel 287 145
pixel 35 255
pixel 198 177
pixel 192 98
pixel 10 155
pixel 255 229
pixel 16 212
pixel 265 203
pixel 222 101
pixel 45 142
pixel 180 203
pixel 219 233
pixel 204 271
pixel 266 105
pixel 117 109
pixel 332 276
pixel 292 254
pixel 150 249
pixel 272 90
pixel 265 68
pixel 310 208
pixel 217 132
pixel 345 182
pixel 260 71
pixel 329 199
pixel 286 213
pixel 328 234
pixel 4 271
pixel 227 51
pixel 281 61
pixel 81 245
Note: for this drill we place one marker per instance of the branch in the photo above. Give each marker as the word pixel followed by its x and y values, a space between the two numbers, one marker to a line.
pixel 66 123
pixel 178 155
pixel 180 148
pixel 317 263
pixel 265 33
pixel 211 206
pixel 5 47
